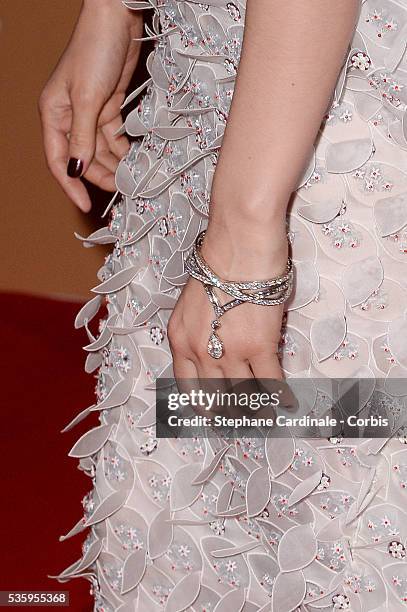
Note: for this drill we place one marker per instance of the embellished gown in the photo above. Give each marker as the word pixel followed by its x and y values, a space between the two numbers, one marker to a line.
pixel 297 524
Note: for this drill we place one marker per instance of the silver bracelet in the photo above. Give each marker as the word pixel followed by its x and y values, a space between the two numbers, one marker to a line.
pixel 264 292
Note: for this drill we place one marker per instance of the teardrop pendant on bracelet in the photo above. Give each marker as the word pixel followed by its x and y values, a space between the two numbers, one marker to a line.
pixel 215 346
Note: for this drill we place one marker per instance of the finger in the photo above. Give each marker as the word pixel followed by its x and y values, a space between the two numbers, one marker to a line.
pixel 82 135
pixel 103 154
pixel 235 369
pixel 208 371
pixel 186 376
pixel 118 144
pixel 242 383
pixel 100 176
pixel 266 365
pixel 214 384
pixel 184 368
pixel 56 153
pixel 268 373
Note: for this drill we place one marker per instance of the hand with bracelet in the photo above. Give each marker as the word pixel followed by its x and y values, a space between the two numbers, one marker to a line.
pixel 281 95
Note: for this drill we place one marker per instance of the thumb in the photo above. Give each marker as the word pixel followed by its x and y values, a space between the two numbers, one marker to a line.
pixel 82 137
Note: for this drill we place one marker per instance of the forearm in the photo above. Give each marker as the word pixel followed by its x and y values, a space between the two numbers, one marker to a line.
pixel 115 16
pixel 290 61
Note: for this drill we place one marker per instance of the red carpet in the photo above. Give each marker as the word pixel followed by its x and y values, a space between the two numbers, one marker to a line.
pixel 43 387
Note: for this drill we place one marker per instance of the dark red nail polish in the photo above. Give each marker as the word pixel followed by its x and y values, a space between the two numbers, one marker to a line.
pixel 74 168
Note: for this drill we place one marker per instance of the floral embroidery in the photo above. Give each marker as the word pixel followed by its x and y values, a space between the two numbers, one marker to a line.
pixel 347 456
pixel 89 503
pixel 287 345
pixel 319 174
pixel 161 592
pixel 381 527
pixel 347 349
pixel 218 527
pixel 400 238
pixel 234 11
pixel 402 434
pixel 371 178
pixel 115 465
pixel 382 22
pixel 335 503
pixel 361 61
pixel 324 482
pixel 158 263
pixel 251 447
pixel 338 112
pixel 359 583
pixel 382 403
pixel 342 233
pixel 378 300
pixel 397 550
pixel 160 487
pixel 388 88
pixel 114 573
pixel 130 537
pixel 332 555
pixel 341 602
pixel 228 571
pixel 149 446
pixel 157 334
pixel 101 387
pixel 180 556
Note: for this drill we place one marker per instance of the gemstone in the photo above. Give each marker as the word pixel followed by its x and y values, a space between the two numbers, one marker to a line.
pixel 215 346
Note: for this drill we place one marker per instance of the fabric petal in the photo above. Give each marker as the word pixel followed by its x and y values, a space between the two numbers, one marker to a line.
pixel 208 472
pixel 91 441
pixel 397 338
pixel 257 491
pixel 305 488
pixel 306 285
pixel 183 493
pixel 87 312
pixel 280 453
pixel 361 279
pixel 327 334
pixel 184 593
pixel 117 281
pixel 343 157
pixel 133 570
pixel 297 548
pixel 288 592
pixel 263 565
pixel 160 534
pixel 234 600
pixel 320 213
pixel 111 504
pixel 391 213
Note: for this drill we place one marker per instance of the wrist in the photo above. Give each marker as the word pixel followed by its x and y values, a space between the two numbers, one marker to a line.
pixel 115 7
pixel 238 251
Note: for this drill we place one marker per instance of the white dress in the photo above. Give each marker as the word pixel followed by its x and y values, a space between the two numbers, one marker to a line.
pixel 300 525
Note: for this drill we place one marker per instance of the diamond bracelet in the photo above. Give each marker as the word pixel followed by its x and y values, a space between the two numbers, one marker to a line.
pixel 264 292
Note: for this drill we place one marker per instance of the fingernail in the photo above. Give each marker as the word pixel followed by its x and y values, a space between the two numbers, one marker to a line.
pixel 74 168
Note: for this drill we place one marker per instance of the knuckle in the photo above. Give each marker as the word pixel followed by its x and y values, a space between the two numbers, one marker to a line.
pixel 240 344
pixel 43 102
pixel 198 346
pixel 83 96
pixel 175 337
pixel 200 354
pixel 78 139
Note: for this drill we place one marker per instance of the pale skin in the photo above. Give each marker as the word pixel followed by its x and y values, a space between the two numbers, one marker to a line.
pixel 290 61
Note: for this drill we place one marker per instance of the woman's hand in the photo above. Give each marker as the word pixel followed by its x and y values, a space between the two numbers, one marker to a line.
pixel 250 333
pixel 281 94
pixel 80 103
